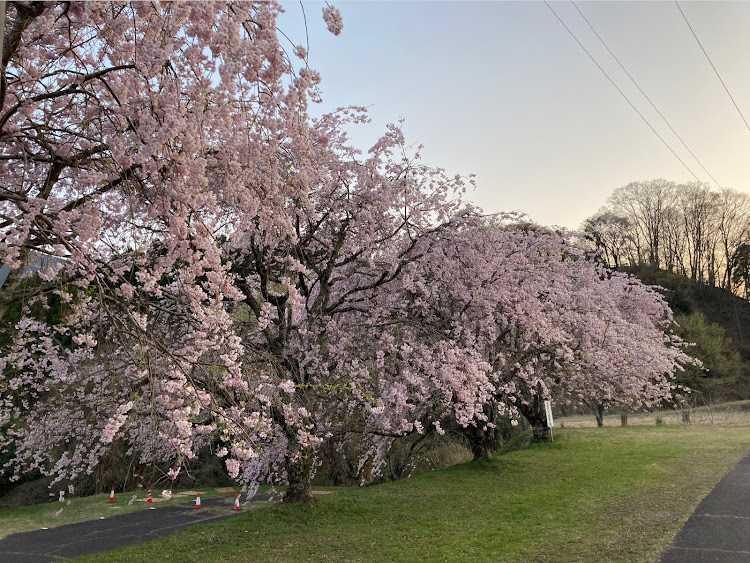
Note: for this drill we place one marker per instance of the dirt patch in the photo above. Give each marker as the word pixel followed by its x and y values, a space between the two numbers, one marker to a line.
pixel 186 494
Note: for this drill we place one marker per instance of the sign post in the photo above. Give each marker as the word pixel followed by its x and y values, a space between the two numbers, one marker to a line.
pixel 548 414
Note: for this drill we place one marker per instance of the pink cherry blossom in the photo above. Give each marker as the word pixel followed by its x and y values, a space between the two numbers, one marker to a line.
pixel 333 20
pixel 232 274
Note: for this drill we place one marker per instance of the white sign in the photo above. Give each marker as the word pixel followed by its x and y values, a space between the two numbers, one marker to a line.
pixel 548 412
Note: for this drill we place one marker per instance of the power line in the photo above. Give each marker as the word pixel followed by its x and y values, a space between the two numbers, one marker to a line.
pixel 644 94
pixel 623 95
pixel 712 64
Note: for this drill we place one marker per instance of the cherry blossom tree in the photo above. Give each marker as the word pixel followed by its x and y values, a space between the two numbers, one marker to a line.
pixel 227 272
pixel 115 117
pixel 549 320
pixel 322 304
pixel 227 266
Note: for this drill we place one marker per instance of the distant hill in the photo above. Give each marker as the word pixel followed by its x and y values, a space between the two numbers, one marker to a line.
pixel 719 306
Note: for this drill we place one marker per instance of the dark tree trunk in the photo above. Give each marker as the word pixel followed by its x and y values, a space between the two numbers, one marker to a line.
pixel 685 411
pixel 534 413
pixel 483 443
pixel 541 434
pixel 599 413
pixel 299 463
pixel 563 410
pixel 483 447
pixel 624 419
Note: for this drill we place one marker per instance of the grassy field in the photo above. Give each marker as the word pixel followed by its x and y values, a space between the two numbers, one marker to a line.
pixel 50 515
pixel 735 413
pixel 605 494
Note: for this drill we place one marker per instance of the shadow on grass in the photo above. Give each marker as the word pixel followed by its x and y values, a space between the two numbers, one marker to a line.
pixel 520 442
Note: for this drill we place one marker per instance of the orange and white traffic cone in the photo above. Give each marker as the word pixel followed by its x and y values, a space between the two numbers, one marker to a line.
pixel 198 501
pixel 237 502
pixel 112 495
pixel 149 500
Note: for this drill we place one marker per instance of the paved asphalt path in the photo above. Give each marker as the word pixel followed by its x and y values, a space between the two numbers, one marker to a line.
pixel 719 529
pixel 94 536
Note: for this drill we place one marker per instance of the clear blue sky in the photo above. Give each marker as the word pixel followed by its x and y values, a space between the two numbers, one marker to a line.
pixel 500 89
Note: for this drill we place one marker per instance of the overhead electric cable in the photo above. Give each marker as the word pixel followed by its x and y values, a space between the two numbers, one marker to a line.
pixel 644 94
pixel 712 65
pixel 624 96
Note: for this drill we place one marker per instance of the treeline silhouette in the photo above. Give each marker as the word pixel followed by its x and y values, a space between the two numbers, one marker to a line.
pixel 688 229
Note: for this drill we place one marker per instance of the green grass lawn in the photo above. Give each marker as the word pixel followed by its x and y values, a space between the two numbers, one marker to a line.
pixel 25 518
pixel 603 494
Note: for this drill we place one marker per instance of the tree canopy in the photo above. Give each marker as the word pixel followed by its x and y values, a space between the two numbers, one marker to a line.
pixel 227 271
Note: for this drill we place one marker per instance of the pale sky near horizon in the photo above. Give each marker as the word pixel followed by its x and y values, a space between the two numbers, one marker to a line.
pixel 502 90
